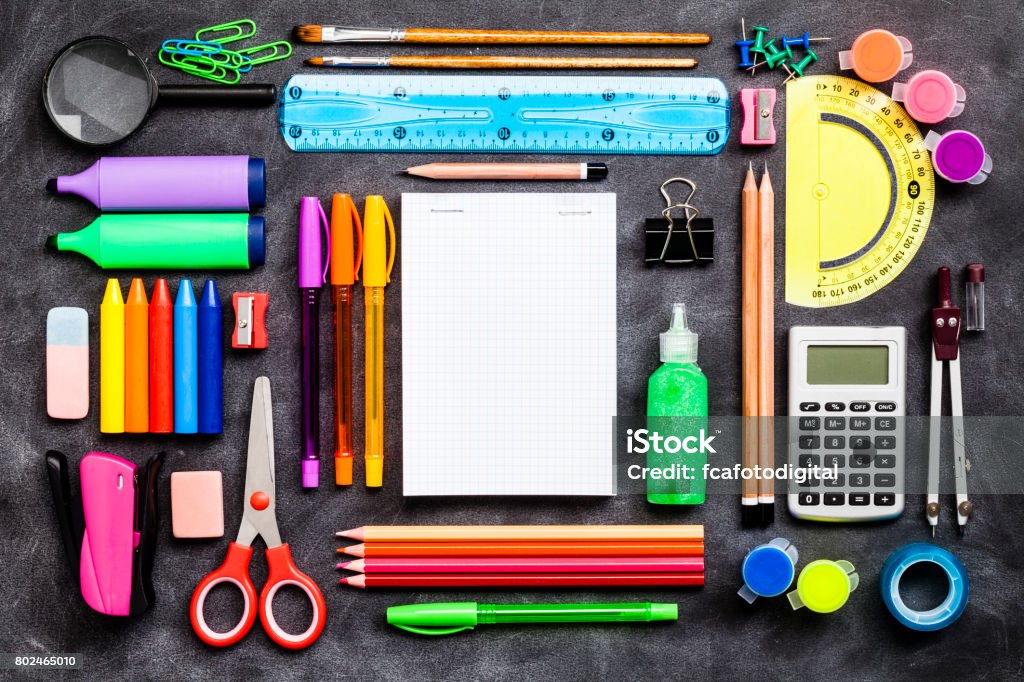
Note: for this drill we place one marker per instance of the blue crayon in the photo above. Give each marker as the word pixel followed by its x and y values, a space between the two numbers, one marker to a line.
pixel 211 361
pixel 186 360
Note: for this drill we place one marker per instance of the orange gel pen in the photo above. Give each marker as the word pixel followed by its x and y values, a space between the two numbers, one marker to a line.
pixel 345 262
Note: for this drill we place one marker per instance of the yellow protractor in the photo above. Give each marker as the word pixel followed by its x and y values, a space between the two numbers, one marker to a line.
pixel 859 190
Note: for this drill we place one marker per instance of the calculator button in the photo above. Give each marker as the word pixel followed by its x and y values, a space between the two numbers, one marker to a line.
pixel 886 461
pixel 834 461
pixel 885 442
pixel 838 482
pixel 808 461
pixel 810 442
pixel 860 442
pixel 885 423
pixel 835 407
pixel 885 480
pixel 885 499
pixel 835 442
pixel 860 461
pixel 885 407
pixel 835 423
pixel 809 482
pixel 860 480
pixel 808 499
pixel 860 407
pixel 809 423
pixel 809 407
pixel 860 499
pixel 860 423
pixel 834 499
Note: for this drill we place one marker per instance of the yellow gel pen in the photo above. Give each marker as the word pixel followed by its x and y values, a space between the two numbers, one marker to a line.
pixel 377 263
pixel 112 359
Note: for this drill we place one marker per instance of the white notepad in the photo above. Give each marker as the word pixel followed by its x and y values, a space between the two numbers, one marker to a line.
pixel 508 344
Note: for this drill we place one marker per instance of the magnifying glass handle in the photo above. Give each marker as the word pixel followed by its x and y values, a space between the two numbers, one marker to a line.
pixel 256 95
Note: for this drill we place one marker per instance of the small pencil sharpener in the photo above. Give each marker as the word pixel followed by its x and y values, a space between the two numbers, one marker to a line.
pixel 758 116
pixel 250 319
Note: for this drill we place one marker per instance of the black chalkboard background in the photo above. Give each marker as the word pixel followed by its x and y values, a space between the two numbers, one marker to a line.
pixel 718 636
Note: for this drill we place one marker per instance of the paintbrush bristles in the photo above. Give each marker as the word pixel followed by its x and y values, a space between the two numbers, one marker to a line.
pixel 309 33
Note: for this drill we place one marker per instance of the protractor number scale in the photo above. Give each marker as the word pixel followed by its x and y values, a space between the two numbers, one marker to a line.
pixel 505 114
pixel 860 191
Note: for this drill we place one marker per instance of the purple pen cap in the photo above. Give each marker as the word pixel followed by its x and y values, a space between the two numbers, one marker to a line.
pixel 959 156
pixel 311 257
pixel 310 473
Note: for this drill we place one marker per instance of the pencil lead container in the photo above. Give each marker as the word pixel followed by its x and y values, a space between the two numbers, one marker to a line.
pixel 768 570
pixel 974 301
pixel 824 586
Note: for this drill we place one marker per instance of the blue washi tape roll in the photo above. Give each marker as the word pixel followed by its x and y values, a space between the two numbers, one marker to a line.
pixel 942 615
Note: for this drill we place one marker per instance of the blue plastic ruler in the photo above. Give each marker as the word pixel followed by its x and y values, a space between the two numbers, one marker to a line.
pixel 505 114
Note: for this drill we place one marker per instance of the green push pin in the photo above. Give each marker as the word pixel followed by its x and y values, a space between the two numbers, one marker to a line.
pixel 760 32
pixel 799 67
pixel 774 57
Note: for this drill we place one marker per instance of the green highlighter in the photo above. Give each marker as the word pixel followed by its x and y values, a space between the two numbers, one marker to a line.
pixel 446 618
pixel 206 241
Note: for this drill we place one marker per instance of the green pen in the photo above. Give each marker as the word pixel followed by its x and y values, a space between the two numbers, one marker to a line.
pixel 446 618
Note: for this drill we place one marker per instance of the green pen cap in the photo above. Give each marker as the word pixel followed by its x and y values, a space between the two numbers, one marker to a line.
pixel 447 618
pixel 209 241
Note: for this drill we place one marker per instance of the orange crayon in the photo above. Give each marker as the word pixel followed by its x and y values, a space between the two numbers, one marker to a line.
pixel 136 359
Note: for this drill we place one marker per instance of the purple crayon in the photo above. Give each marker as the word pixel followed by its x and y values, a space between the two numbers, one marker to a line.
pixel 169 183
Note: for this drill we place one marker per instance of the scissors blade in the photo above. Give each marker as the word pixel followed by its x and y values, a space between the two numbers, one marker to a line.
pixel 260 503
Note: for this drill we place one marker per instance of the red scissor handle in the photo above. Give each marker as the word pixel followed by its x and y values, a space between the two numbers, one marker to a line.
pixel 234 570
pixel 284 572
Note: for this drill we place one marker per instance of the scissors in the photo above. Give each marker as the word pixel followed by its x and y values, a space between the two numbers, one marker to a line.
pixel 259 519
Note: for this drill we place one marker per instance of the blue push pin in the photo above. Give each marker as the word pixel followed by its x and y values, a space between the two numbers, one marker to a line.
pixel 768 570
pixel 744 46
pixel 803 42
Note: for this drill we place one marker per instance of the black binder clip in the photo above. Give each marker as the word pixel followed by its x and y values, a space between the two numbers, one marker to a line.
pixel 668 242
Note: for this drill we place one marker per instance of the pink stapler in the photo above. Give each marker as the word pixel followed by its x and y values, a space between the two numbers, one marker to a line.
pixel 109 530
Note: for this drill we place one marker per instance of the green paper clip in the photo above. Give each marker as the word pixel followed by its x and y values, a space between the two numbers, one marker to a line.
pixel 199 65
pixel 282 49
pixel 239 29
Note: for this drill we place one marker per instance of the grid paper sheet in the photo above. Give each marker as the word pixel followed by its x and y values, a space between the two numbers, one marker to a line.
pixel 508 344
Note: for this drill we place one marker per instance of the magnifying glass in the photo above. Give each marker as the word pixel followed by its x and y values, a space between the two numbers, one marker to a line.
pixel 98 91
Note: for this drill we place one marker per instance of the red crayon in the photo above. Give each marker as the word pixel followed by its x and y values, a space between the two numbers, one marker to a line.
pixel 510 565
pixel 443 580
pixel 161 359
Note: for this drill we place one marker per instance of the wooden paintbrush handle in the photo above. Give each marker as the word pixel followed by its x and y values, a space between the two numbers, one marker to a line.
pixel 512 62
pixel 446 35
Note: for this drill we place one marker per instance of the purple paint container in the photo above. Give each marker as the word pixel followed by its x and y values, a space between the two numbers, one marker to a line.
pixel 959 156
pixel 169 183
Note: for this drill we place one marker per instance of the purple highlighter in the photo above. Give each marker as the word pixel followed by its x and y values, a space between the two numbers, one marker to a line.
pixel 959 156
pixel 169 183
pixel 312 275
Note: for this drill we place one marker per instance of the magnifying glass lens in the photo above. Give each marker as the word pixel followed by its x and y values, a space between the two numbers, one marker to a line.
pixel 98 91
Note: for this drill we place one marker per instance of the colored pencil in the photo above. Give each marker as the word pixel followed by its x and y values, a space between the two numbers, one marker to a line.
pixel 766 346
pixel 524 580
pixel 522 549
pixel 526 565
pixel 523 533
pixel 510 171
pixel 751 512
pixel 444 61
pixel 316 33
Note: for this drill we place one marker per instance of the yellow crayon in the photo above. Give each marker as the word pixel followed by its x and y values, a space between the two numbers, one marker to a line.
pixel 112 359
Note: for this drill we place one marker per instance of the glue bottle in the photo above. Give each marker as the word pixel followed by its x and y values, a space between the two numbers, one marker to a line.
pixel 677 389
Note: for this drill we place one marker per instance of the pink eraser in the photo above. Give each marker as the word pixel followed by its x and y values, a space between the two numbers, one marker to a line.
pixel 758 116
pixel 67 363
pixel 197 504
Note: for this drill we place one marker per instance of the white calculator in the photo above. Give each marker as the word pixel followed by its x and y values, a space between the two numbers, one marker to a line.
pixel 847 398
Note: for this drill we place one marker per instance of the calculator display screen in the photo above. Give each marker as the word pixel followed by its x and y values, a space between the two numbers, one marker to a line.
pixel 848 365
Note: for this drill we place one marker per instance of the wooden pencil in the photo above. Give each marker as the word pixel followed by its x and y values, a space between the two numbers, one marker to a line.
pixel 316 33
pixel 523 533
pixel 415 61
pixel 523 549
pixel 766 345
pixel 750 511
